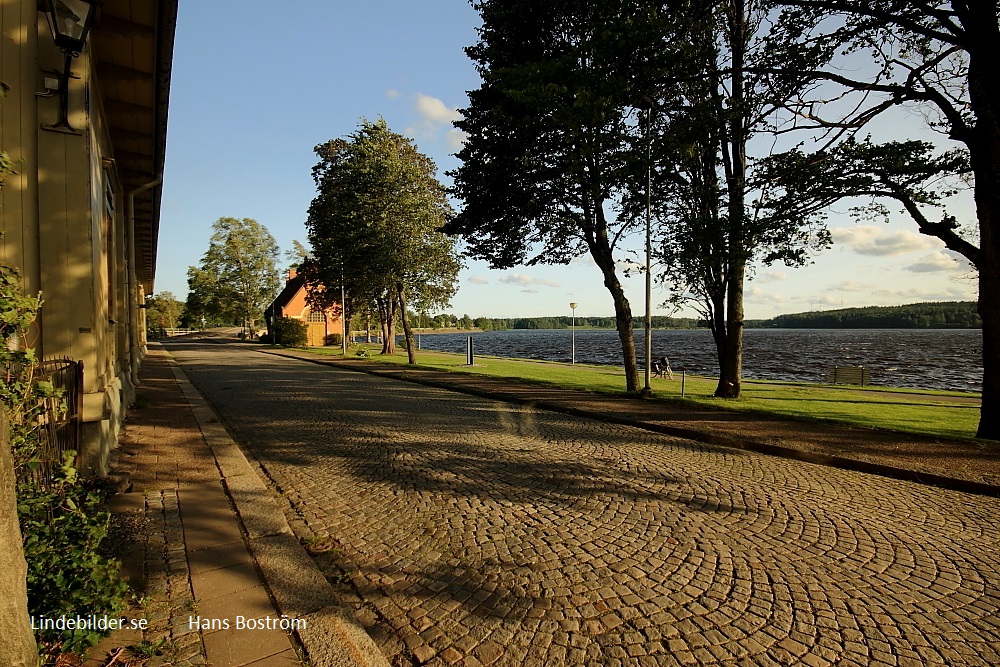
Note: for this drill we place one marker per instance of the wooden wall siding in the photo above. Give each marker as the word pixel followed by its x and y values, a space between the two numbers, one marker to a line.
pixel 18 136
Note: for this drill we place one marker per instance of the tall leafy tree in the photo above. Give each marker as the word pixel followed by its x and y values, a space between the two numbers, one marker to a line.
pixel 373 227
pixel 238 275
pixel 550 135
pixel 936 56
pixel 704 186
pixel 163 311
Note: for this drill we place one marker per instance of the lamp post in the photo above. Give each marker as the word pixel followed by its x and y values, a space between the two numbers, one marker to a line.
pixel 343 314
pixel 573 308
pixel 69 21
pixel 647 389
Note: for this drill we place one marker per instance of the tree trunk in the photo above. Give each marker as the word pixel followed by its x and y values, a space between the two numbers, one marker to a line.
pixel 720 332
pixel 387 314
pixel 411 355
pixel 600 249
pixel 987 199
pixel 984 154
pixel 623 322
pixel 731 367
pixel 731 358
pixel 17 643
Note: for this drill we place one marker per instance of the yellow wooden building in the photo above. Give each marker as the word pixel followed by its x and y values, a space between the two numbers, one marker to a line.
pixel 85 124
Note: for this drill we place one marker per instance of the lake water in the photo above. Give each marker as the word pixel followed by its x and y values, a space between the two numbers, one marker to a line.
pixel 925 358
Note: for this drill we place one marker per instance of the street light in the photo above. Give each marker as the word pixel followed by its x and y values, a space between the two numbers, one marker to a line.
pixel 344 331
pixel 573 307
pixel 69 21
pixel 647 389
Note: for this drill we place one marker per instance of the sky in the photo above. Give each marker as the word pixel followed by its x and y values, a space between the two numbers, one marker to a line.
pixel 255 86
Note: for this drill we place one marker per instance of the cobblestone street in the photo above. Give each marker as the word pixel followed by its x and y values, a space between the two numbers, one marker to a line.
pixel 484 533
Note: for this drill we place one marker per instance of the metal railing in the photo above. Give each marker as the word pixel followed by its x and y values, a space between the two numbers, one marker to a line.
pixel 61 421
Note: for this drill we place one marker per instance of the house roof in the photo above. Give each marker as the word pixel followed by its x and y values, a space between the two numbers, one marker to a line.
pixel 292 287
pixel 132 45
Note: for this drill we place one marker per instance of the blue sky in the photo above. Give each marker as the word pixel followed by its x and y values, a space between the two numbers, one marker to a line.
pixel 255 86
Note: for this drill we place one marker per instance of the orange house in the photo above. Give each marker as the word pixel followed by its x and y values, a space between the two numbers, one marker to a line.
pixel 293 302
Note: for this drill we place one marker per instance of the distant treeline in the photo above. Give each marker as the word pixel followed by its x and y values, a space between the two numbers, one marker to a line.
pixel 565 322
pixel 940 315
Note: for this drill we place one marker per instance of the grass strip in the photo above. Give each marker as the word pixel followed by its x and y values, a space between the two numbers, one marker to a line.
pixel 926 412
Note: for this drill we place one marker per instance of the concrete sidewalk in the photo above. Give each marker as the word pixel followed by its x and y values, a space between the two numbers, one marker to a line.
pixel 221 580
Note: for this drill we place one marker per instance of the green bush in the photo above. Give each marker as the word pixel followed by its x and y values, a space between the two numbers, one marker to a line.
pixel 334 339
pixel 67 576
pixel 290 332
pixel 62 523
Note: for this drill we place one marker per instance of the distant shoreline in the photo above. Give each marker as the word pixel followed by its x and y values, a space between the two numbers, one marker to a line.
pixel 431 332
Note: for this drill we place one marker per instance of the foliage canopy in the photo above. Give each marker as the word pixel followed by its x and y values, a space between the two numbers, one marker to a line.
pixel 552 134
pixel 373 227
pixel 238 275
pixel 933 56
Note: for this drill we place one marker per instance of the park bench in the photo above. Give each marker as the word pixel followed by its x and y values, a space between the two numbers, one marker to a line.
pixel 849 375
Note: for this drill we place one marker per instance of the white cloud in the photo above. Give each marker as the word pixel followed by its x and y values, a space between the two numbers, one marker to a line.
pixel 879 242
pixel 771 277
pixel 391 94
pixel 524 279
pixel 432 110
pixel 476 280
pixel 852 286
pixel 529 291
pixel 916 294
pixel 932 263
pixel 433 117
pixel 455 139
pixel 757 295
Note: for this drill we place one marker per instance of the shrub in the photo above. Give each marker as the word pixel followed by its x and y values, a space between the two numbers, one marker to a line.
pixel 67 576
pixel 290 332
pixel 62 523
pixel 333 339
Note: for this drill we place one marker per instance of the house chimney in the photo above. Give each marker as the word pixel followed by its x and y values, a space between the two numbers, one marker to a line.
pixel 292 273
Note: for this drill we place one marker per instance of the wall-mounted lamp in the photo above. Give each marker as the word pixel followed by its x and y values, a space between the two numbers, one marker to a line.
pixel 70 22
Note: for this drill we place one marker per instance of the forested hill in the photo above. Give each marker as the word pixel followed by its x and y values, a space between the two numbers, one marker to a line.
pixel 940 315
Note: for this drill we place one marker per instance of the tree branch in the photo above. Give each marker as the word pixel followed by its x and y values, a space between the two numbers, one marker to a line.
pixel 954 35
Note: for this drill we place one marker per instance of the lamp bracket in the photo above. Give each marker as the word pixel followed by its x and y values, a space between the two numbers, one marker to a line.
pixel 68 74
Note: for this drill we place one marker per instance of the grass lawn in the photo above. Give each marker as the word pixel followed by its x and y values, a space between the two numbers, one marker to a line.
pixel 938 413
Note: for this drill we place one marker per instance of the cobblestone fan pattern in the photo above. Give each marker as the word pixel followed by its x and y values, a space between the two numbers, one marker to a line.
pixel 491 534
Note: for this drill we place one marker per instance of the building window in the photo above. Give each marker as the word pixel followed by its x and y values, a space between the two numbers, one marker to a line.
pixel 315 316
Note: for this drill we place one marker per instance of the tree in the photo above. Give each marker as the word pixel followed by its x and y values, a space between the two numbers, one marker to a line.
pixel 163 311
pixel 935 56
pixel 200 305
pixel 297 254
pixel 550 135
pixel 703 185
pixel 373 227
pixel 238 276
